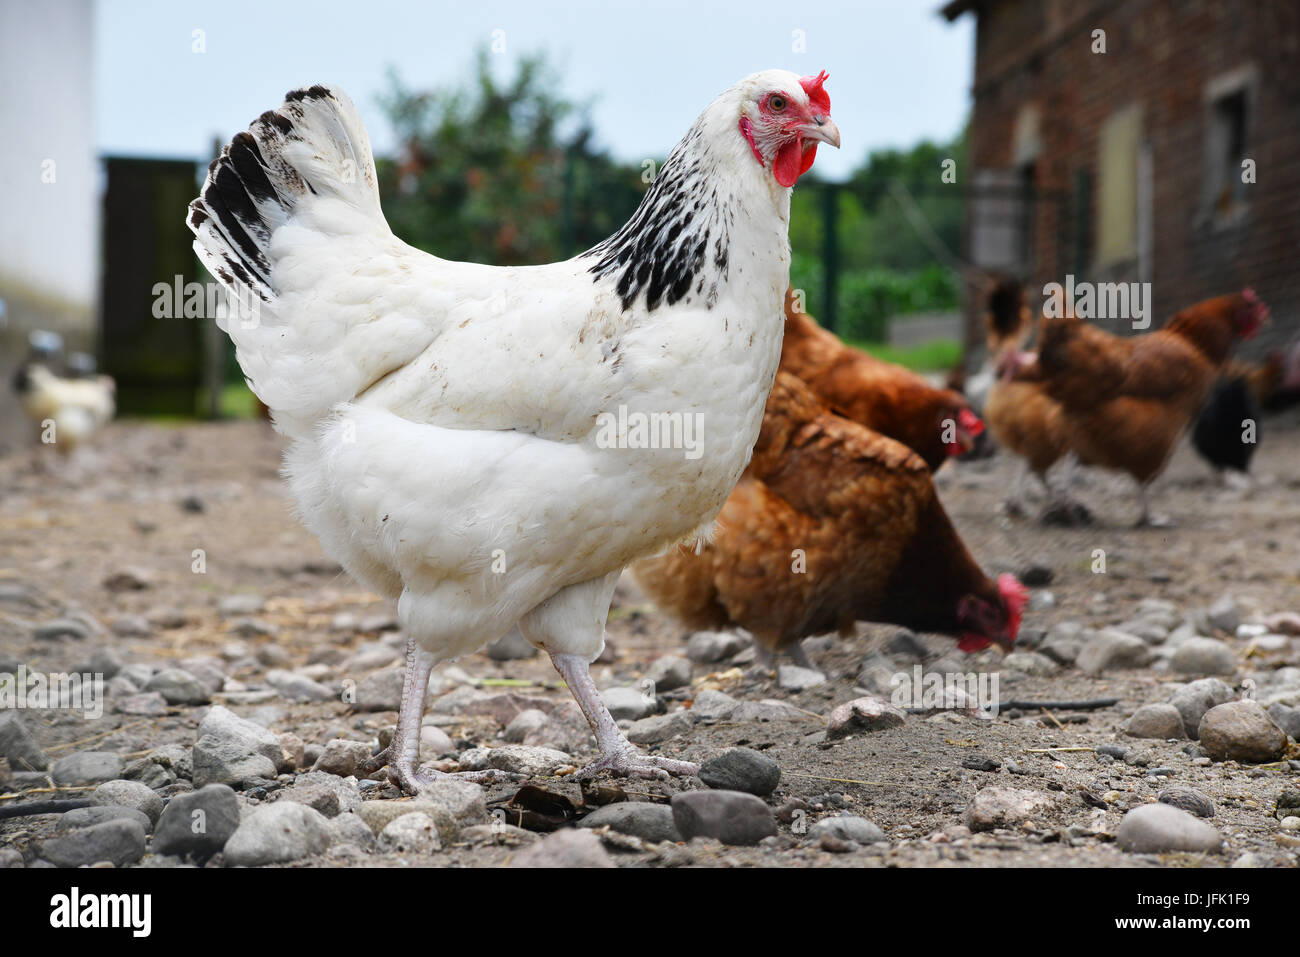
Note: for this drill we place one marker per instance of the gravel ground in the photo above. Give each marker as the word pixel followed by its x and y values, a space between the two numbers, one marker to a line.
pixel 168 560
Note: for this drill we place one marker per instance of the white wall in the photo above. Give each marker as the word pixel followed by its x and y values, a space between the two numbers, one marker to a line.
pixel 49 232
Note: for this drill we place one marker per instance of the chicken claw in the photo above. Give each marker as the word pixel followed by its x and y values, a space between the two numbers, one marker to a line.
pixel 629 762
pixel 412 779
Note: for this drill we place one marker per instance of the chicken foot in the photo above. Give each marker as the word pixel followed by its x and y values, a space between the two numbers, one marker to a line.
pixel 617 754
pixel 1148 518
pixel 765 658
pixel 400 756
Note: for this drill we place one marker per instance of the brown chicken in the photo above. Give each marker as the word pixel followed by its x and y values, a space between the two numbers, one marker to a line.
pixel 1127 401
pixel 831 524
pixel 1021 416
pixel 884 397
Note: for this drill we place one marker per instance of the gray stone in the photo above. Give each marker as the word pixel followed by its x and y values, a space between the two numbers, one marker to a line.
pixel 227 727
pixel 350 829
pixel 741 769
pixel 568 848
pixel 1031 663
pixel 413 833
pixel 712 705
pixel 218 761
pixel 435 742
pixel 120 841
pixel 381 690
pixel 660 727
pixel 733 817
pixel 345 790
pixel 1158 828
pixel 147 704
pixel 179 687
pixel 314 795
pixel 1111 649
pixel 796 679
pixel 97 814
pixel 905 644
pixel 517 759
pixel 1241 731
pixel 643 819
pixel 62 628
pixel 1198 697
pixel 1203 656
pixel 174 757
pixel 131 626
pixel 342 757
pixel 86 767
pixel 18 745
pixel 862 715
pixel 129 794
pixel 669 673
pixel 1287 718
pixel 1156 721
pixel 297 687
pixel 10 857
pixel 768 709
pixel 995 807
pixel 1225 614
pixel 451 803
pixel 199 823
pixel 207 669
pixel 707 647
pixel 629 704
pixel 524 724
pixel 104 661
pixel 1063 641
pixel 847 827
pixel 277 833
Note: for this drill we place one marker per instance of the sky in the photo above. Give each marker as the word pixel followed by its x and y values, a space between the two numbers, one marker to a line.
pixel 899 73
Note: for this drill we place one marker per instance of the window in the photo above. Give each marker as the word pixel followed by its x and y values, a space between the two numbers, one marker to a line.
pixel 1117 187
pixel 1229 123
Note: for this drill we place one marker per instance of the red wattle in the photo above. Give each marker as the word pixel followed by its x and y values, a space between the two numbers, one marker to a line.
pixel 789 164
pixel 809 155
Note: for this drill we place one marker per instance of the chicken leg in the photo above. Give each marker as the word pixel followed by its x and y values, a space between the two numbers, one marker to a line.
pixel 617 754
pixel 401 754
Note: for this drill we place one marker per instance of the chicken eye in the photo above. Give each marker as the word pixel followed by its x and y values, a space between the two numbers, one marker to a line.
pixel 776 104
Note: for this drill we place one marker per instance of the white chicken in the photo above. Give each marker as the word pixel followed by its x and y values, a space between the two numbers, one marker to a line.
pixel 449 423
pixel 66 409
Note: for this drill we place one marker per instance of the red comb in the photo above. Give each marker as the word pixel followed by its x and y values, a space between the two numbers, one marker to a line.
pixel 812 85
pixel 1016 597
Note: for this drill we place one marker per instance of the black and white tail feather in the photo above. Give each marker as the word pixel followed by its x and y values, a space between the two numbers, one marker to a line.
pixel 288 209
pixel 314 146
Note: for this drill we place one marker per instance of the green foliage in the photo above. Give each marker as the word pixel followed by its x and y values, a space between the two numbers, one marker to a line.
pixel 868 298
pixel 488 175
pixel 889 264
pixel 936 355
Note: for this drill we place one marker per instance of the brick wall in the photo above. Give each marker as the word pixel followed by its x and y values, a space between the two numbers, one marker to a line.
pixel 1161 55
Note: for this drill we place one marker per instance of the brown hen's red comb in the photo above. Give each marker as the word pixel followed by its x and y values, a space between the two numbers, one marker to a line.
pixel 812 85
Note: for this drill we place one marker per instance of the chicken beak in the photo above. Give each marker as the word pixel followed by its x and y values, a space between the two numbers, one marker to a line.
pixel 823 130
